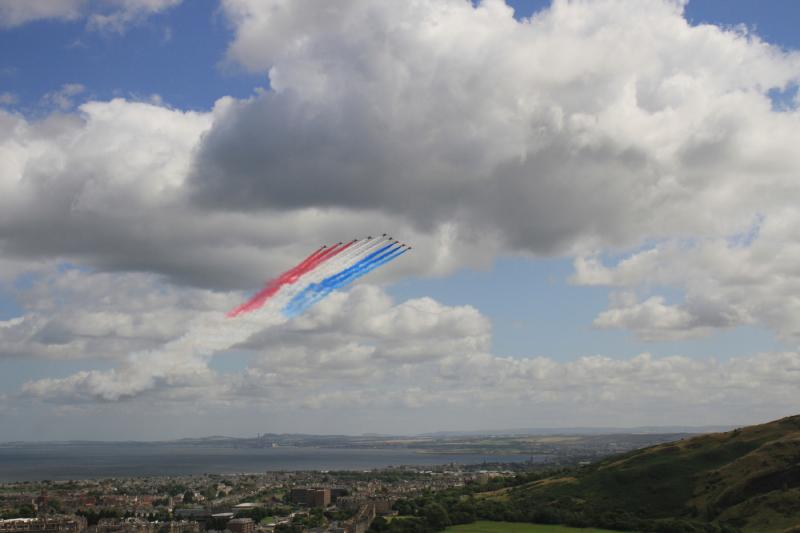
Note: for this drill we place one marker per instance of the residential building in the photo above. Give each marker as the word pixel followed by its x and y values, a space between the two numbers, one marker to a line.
pixel 241 525
pixel 311 497
pixel 53 524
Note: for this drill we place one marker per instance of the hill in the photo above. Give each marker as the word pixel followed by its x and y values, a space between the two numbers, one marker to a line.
pixel 746 479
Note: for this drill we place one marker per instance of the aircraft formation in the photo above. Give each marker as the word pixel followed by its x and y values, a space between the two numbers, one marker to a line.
pixel 327 269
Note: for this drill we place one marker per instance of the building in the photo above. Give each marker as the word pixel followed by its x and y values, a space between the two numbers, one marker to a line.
pixel 349 503
pixel 338 492
pixel 361 521
pixel 247 506
pixel 311 497
pixel 130 525
pixel 197 514
pixel 383 506
pixel 241 525
pixel 482 478
pixel 54 524
pixel 183 526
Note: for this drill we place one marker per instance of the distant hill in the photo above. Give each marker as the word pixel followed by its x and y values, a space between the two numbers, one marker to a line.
pixel 582 430
pixel 746 479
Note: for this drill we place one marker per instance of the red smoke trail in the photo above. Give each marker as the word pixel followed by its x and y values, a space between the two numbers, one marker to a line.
pixel 308 266
pixel 290 276
pixel 272 287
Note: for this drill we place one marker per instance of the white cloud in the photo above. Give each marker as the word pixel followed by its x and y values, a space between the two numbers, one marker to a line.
pixel 62 99
pixel 747 280
pixel 75 315
pixel 316 364
pixel 113 15
pixel 592 125
pixel 18 12
pixel 117 15
pixel 651 319
pixel 350 335
pixel 469 133
pixel 106 187
pixel 350 352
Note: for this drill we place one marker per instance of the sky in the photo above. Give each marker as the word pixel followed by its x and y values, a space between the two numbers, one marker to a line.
pixel 602 199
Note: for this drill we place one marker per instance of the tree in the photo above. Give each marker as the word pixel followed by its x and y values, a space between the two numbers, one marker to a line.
pixel 436 516
pixel 56 505
pixel 27 510
pixel 404 507
pixel 93 517
pixel 173 489
pixel 188 497
pixel 288 528
pixel 463 512
pixel 379 525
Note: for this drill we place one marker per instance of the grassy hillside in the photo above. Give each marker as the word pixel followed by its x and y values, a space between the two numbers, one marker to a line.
pixel 746 479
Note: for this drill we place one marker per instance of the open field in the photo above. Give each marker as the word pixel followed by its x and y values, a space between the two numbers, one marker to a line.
pixel 510 527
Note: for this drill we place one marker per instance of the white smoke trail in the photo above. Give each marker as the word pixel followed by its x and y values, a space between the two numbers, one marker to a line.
pixel 328 268
pixel 184 361
pixel 382 258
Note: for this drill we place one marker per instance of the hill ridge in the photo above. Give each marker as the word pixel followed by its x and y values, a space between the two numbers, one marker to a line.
pixel 747 478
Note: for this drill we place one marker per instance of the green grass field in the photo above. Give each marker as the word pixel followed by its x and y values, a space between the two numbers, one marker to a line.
pixel 510 527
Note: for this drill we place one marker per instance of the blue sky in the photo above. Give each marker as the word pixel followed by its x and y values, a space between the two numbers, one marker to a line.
pixel 178 55
pixel 179 59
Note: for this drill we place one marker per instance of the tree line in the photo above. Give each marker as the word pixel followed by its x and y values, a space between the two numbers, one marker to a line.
pixel 435 511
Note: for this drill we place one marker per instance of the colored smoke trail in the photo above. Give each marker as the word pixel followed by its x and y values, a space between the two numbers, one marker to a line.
pixel 317 291
pixel 271 287
pixel 290 276
pixel 322 272
pixel 315 286
pixel 188 356
pixel 366 269
pixel 329 267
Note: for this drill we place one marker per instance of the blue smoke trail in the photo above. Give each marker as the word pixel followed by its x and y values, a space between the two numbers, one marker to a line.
pixel 316 291
pixel 395 254
pixel 304 299
pixel 298 302
pixel 322 292
pixel 366 269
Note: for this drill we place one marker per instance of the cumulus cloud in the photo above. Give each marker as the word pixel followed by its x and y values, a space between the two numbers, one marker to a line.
pixel 63 98
pixel 651 319
pixel 114 15
pixel 750 279
pixel 364 331
pixel 175 365
pixel 17 12
pixel 106 187
pixel 350 334
pixel 591 125
pixel 355 351
pixel 119 14
pixel 74 314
